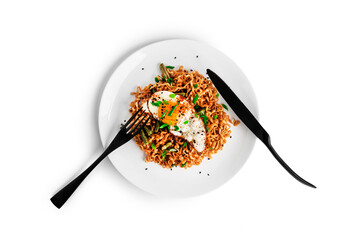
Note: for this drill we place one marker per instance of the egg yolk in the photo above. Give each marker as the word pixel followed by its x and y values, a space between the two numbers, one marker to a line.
pixel 173 109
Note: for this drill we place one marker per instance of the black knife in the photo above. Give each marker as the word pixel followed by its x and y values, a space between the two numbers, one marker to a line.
pixel 250 121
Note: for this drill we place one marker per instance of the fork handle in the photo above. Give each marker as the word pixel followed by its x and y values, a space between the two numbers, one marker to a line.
pixel 65 193
pixel 267 142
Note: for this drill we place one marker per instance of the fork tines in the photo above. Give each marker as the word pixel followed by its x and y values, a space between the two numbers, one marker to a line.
pixel 137 121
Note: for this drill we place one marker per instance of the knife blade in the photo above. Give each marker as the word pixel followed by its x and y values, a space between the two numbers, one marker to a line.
pixel 250 121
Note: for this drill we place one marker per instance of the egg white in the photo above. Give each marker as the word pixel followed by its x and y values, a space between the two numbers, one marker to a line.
pixel 194 131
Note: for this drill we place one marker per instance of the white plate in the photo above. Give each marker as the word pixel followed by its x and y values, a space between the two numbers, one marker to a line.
pixel 139 69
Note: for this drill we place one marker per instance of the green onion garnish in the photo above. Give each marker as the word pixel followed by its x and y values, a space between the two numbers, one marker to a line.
pixel 156 104
pixel 186 122
pixel 164 154
pixel 196 115
pixel 195 85
pixel 156 79
pixel 211 148
pixel 226 107
pixel 169 80
pixel 183 165
pixel 216 116
pixel 153 146
pixel 172 95
pixel 153 90
pixel 205 118
pixel 164 125
pixel 217 95
pixel 196 106
pixel 171 67
pixel 163 115
pixel 195 98
pixel 170 123
pixel 185 143
pixel 165 102
pixel 172 110
pixel 176 128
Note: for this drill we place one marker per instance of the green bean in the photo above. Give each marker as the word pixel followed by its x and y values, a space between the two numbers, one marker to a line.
pixel 157 126
pixel 168 144
pixel 164 71
pixel 144 138
pixel 181 93
pixel 148 131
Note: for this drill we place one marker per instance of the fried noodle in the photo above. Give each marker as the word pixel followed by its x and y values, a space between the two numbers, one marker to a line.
pixel 190 83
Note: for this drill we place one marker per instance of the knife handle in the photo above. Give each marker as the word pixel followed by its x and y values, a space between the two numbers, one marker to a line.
pixel 267 141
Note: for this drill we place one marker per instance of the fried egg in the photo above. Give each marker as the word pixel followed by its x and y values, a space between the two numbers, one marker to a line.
pixel 180 117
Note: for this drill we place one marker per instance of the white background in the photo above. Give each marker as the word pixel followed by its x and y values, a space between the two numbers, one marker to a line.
pixel 302 58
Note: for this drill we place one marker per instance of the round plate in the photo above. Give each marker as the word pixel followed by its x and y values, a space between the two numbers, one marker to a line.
pixel 139 69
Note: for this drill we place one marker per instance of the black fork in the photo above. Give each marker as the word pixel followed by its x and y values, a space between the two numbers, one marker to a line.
pixel 127 132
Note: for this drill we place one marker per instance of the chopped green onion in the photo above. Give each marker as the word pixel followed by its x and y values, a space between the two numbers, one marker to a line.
pixel 163 115
pixel 172 150
pixel 164 125
pixel 196 115
pixel 185 143
pixel 172 95
pixel 195 85
pixel 226 107
pixel 170 123
pixel 183 165
pixel 176 128
pixel 169 80
pixel 195 98
pixel 153 146
pixel 211 148
pixel 217 95
pixel 181 94
pixel 186 122
pixel 172 110
pixel 196 106
pixel 216 116
pixel 156 79
pixel 165 102
pixel 169 127
pixel 156 104
pixel 205 118
pixel 164 154
pixel 153 90
pixel 171 67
